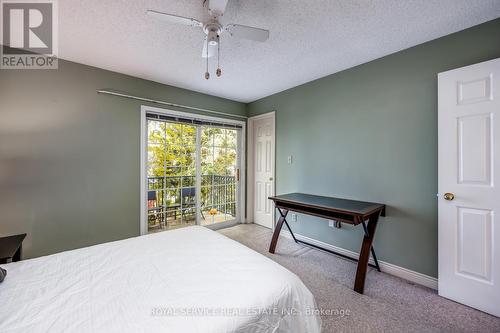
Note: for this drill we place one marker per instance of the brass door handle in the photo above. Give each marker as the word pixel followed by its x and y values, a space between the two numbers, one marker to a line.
pixel 449 196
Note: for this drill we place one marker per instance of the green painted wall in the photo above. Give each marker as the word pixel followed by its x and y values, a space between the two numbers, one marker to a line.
pixel 370 133
pixel 69 158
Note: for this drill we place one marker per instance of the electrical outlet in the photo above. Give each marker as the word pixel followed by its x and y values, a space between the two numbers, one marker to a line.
pixel 290 159
pixel 331 223
pixel 294 217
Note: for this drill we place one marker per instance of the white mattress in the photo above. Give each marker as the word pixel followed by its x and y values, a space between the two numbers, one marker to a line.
pixel 185 280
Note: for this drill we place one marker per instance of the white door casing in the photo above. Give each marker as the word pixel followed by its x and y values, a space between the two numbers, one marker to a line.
pixel 263 147
pixel 469 168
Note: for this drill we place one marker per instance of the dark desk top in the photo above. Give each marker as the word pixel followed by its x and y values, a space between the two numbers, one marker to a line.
pixel 331 204
pixel 9 245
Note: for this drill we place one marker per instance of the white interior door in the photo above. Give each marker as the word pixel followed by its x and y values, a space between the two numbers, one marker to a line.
pixel 469 192
pixel 263 130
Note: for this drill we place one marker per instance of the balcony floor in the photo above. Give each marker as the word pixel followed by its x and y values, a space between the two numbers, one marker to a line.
pixel 179 223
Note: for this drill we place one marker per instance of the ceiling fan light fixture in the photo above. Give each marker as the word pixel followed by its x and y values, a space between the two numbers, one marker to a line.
pixel 213 29
pixel 213 38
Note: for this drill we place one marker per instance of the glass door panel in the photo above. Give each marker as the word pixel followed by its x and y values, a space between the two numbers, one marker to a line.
pixel 156 174
pixel 219 167
pixel 171 165
pixel 192 174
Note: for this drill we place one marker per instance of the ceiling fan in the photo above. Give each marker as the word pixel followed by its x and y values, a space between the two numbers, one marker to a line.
pixel 213 29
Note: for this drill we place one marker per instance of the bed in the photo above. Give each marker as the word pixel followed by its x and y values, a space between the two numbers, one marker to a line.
pixel 185 280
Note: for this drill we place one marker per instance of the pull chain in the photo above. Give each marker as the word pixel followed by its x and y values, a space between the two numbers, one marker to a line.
pixel 207 74
pixel 218 71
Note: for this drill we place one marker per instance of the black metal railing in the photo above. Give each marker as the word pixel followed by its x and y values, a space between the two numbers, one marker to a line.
pixel 178 193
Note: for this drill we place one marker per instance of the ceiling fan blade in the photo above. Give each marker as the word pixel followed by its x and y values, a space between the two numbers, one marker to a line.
pixel 217 7
pixel 243 31
pixel 171 18
pixel 212 49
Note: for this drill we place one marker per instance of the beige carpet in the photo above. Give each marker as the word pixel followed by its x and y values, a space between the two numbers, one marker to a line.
pixel 389 304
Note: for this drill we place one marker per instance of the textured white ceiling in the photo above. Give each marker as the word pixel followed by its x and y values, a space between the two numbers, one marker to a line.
pixel 309 39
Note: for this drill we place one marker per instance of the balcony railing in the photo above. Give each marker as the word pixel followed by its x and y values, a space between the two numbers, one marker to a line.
pixel 176 195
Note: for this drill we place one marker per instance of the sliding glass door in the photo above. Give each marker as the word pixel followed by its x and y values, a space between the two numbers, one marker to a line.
pixel 219 173
pixel 192 172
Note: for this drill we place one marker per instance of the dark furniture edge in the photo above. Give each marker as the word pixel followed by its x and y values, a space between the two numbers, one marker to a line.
pixel 381 207
pixel 22 236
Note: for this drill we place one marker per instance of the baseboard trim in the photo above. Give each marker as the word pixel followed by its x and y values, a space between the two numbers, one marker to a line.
pixel 386 267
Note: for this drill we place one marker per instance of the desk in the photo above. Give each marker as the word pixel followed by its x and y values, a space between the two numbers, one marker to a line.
pixel 11 248
pixel 342 210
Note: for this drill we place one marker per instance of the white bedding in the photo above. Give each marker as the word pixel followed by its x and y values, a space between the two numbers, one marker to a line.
pixel 186 280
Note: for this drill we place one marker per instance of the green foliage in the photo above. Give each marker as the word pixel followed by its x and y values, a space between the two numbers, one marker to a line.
pixel 172 150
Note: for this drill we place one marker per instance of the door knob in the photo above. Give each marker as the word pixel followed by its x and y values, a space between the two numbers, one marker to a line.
pixel 270 178
pixel 449 196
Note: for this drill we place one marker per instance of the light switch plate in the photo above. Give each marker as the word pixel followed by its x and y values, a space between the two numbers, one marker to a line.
pixel 331 223
pixel 294 217
pixel 290 159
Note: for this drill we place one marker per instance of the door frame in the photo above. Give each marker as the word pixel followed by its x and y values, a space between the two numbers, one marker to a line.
pixel 143 161
pixel 251 166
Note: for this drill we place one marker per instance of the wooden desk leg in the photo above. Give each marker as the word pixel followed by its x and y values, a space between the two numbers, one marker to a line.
pixel 364 254
pixel 277 230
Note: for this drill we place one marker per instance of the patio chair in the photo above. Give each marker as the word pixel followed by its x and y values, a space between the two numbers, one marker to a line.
pixel 188 198
pixel 155 210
